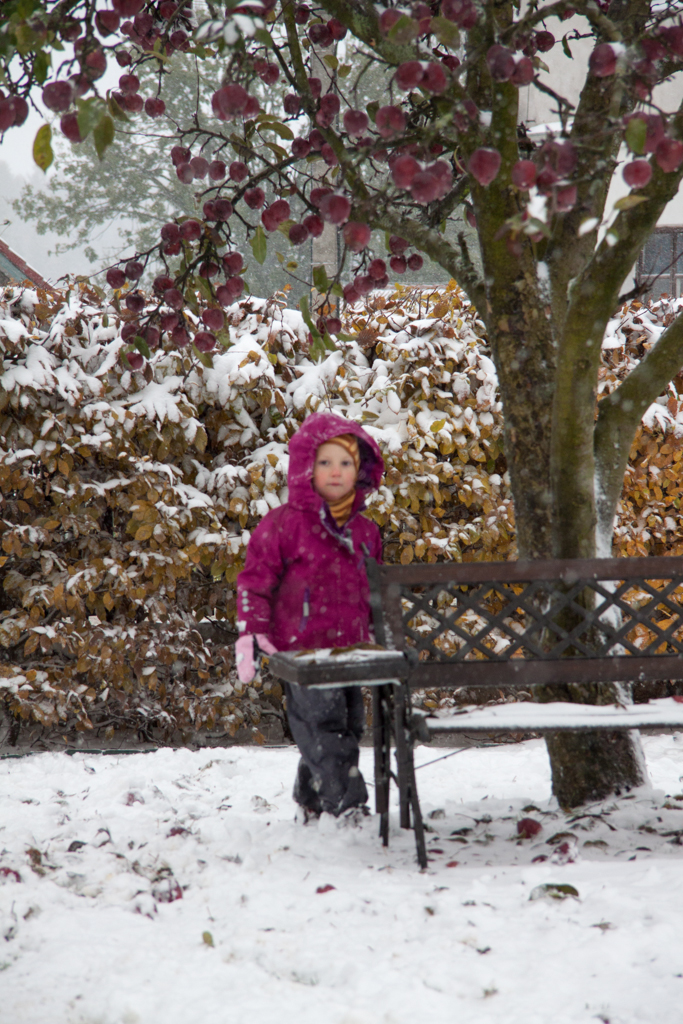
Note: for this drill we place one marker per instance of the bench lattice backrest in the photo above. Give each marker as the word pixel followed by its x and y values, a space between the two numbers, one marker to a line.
pixel 543 621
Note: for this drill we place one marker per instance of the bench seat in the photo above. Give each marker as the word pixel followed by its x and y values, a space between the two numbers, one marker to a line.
pixel 525 716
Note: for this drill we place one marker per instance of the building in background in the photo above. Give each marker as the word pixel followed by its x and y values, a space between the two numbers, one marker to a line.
pixel 660 265
pixel 15 270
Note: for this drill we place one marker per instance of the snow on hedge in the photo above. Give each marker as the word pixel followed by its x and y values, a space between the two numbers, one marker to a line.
pixel 128 496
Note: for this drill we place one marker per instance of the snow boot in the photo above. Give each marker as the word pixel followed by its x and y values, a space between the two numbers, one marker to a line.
pixel 305 793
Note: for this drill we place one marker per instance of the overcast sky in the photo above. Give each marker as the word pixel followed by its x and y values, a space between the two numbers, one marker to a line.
pixel 17 168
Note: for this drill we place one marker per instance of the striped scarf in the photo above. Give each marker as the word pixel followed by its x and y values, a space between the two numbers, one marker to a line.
pixel 341 510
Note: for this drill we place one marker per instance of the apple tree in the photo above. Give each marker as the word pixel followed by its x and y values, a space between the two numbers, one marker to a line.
pixel 446 138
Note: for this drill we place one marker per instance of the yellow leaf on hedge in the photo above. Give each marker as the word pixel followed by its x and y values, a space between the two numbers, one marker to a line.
pixel 31 644
pixel 52 524
pixel 437 425
pixel 144 532
pixel 108 601
pixel 200 439
pixel 406 554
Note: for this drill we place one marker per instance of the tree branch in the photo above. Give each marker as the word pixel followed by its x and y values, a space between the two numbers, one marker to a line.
pixel 619 414
pixel 360 18
pixel 433 244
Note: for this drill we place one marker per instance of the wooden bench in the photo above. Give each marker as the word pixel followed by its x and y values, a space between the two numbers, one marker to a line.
pixel 512 624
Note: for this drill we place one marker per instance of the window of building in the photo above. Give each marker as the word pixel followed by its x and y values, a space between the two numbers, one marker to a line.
pixel 660 264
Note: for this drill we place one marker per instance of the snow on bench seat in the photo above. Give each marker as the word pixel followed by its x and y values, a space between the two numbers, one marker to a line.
pixel 528 717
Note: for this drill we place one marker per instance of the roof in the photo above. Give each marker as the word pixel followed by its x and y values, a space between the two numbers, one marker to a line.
pixel 14 269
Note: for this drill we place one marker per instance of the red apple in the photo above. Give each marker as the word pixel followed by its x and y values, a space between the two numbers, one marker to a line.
pixel 484 165
pixel 523 174
pixel 637 173
pixel 356 235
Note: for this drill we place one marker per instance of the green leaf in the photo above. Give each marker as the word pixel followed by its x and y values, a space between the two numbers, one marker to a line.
pixel 204 287
pixel 320 278
pixel 321 346
pixel 103 135
pixel 280 153
pixel 565 47
pixel 344 70
pixel 337 290
pixel 191 300
pixel 203 357
pixel 89 115
pixel 25 8
pixel 263 37
pixel 259 245
pixel 554 891
pixel 627 202
pixel 142 346
pixel 404 31
pixel 372 109
pixel 279 257
pixel 159 51
pixel 207 938
pixel 284 227
pixel 532 225
pixel 115 110
pixel 280 129
pixel 635 135
pixel 303 306
pixel 41 66
pixel 292 265
pixel 42 150
pixel 446 32
pixel 331 61
pixel 25 37
pixel 317 350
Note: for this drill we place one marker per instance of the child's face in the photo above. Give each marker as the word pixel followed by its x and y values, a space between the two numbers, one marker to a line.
pixel 334 473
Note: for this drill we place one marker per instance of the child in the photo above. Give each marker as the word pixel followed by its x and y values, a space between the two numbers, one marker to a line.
pixel 304 586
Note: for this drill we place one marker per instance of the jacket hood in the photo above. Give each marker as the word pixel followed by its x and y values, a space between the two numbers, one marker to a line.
pixel 316 430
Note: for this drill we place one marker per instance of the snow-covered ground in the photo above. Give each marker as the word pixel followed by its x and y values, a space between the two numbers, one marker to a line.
pixel 319 924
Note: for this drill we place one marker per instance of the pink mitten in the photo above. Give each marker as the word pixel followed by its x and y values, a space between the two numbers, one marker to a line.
pixel 245 659
pixel 265 644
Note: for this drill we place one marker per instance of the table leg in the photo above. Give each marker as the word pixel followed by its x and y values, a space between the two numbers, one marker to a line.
pixel 407 785
pixel 402 741
pixel 381 728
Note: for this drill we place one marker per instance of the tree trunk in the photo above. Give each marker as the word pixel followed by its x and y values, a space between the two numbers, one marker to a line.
pixel 589 766
pixel 549 441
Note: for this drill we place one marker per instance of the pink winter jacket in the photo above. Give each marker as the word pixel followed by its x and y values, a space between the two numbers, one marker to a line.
pixel 304 583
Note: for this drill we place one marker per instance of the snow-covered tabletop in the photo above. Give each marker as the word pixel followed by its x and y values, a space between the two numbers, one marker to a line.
pixel 330 666
pixel 529 717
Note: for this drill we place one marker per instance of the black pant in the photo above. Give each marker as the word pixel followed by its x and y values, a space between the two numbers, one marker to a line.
pixel 327 725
